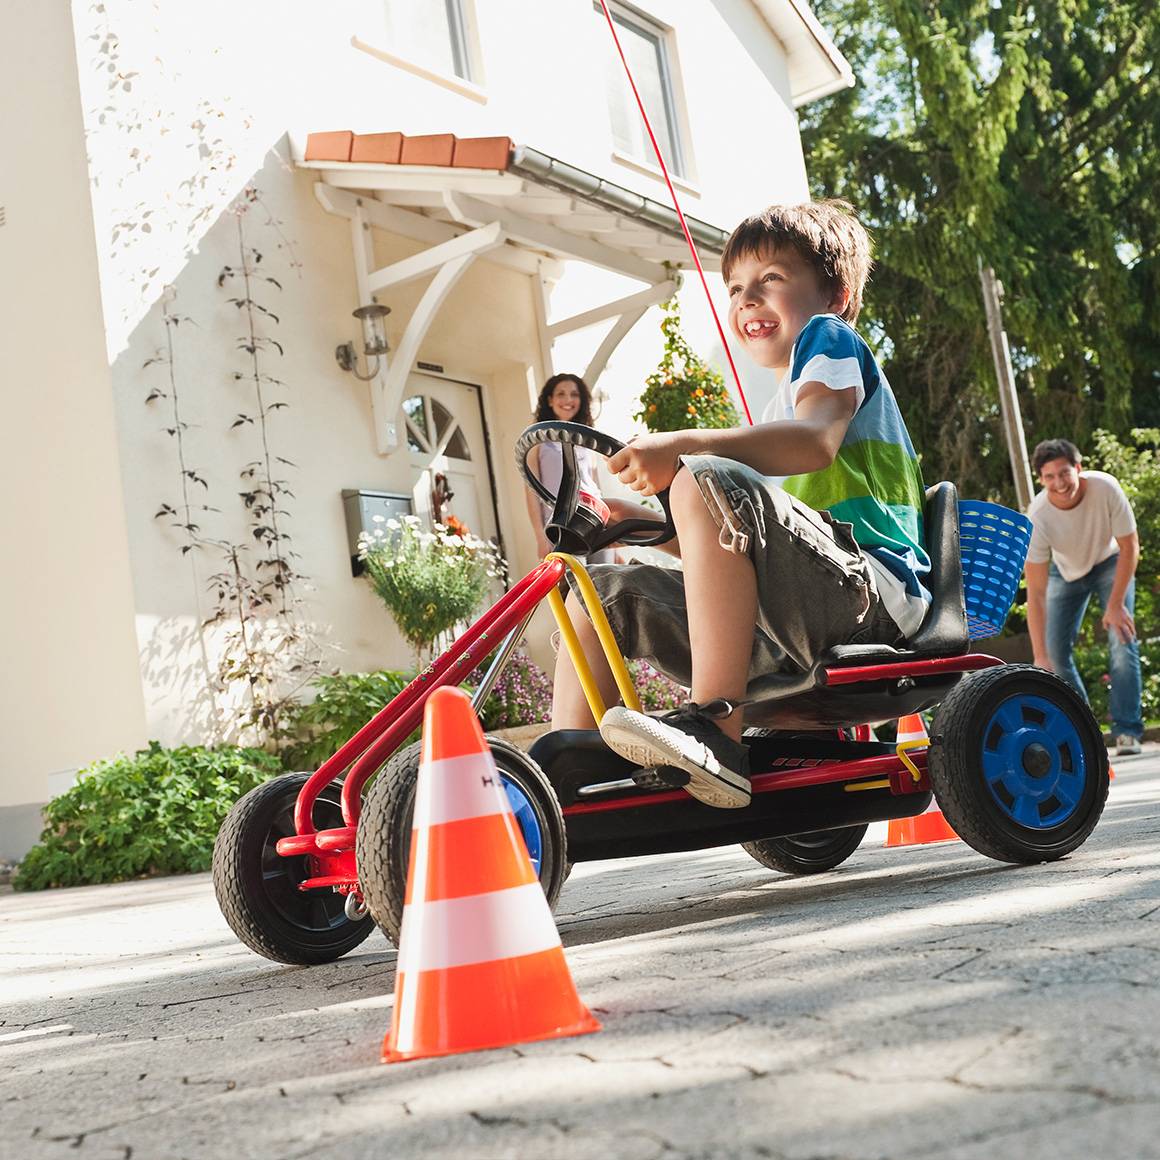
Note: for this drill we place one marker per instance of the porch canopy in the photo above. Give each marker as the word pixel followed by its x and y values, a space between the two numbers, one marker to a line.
pixel 489 199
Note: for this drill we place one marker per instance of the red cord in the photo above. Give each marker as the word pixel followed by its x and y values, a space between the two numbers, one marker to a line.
pixel 677 207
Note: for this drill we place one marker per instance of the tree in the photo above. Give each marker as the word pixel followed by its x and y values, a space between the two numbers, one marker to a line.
pixel 1025 134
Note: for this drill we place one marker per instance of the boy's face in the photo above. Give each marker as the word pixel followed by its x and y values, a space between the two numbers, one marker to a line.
pixel 771 297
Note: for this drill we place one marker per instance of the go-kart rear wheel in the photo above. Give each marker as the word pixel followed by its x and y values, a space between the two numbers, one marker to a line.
pixel 383 836
pixel 257 889
pixel 806 853
pixel 1018 765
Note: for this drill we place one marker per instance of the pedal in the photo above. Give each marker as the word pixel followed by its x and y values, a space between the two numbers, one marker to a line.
pixel 661 777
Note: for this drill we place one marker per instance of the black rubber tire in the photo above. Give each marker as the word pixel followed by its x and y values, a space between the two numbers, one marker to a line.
pixel 957 776
pixel 807 853
pixel 257 888
pixel 383 837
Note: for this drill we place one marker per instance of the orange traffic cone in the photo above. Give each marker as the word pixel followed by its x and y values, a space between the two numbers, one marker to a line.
pixel 930 825
pixel 480 962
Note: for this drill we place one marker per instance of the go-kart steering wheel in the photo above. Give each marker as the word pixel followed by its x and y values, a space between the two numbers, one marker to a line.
pixel 574 527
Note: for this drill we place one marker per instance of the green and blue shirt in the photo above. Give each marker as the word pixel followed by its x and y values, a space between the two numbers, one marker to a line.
pixel 874 482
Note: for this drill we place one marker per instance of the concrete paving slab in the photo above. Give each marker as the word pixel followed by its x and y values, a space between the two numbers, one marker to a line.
pixel 912 1003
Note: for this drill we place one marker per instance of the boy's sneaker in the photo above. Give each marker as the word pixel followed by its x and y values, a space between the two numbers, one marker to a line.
pixel 689 741
pixel 1126 745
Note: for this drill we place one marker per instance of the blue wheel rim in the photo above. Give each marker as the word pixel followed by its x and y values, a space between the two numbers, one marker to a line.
pixel 1033 762
pixel 527 821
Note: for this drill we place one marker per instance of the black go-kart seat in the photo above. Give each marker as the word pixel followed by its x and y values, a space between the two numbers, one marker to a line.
pixel 804 701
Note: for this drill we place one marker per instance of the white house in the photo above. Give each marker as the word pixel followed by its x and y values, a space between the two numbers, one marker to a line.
pixel 475 166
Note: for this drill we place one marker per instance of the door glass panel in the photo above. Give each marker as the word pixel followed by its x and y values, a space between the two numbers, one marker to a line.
pixel 444 421
pixel 420 438
pixel 457 446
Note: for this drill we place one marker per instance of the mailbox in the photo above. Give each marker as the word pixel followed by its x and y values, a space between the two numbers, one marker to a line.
pixel 361 507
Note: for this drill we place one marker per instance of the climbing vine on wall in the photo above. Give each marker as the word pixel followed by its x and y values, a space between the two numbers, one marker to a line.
pixel 268 647
pixel 263 646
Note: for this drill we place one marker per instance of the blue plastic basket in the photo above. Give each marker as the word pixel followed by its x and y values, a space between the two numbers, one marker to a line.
pixel 994 542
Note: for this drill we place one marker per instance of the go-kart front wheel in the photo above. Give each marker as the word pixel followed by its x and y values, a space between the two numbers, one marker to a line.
pixel 383 836
pixel 257 889
pixel 806 853
pixel 1018 765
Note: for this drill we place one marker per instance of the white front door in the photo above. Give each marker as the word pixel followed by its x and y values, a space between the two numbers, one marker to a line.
pixel 444 426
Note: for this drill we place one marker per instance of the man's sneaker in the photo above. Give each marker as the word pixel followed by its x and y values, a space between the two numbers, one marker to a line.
pixel 690 742
pixel 1126 745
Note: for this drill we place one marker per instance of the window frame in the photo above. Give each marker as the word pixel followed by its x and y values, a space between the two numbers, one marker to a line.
pixel 464 44
pixel 668 72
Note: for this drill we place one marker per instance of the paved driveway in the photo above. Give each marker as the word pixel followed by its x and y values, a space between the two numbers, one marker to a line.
pixel 913 1003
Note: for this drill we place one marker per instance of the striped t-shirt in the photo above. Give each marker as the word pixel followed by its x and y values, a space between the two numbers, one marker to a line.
pixel 874 483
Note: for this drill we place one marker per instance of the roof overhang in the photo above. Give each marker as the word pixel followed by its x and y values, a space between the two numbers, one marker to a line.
pixel 545 207
pixel 816 67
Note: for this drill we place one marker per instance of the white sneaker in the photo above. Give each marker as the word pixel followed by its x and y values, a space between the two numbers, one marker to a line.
pixel 687 740
pixel 1126 745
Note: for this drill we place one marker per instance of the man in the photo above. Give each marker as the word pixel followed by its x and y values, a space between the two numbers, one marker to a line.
pixel 1084 540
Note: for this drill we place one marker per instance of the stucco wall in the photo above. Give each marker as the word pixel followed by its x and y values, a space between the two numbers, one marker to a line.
pixel 183 107
pixel 69 686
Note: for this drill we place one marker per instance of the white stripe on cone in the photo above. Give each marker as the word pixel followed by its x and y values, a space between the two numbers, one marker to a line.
pixel 478 928
pixel 454 788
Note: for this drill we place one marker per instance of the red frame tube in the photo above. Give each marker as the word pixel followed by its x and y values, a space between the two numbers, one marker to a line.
pixel 777 779
pixel 386 730
pixel 855 674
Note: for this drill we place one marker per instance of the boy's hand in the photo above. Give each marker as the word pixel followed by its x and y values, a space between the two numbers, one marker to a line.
pixel 648 463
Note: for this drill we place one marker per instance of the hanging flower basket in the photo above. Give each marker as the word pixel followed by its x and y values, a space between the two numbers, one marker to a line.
pixel 684 391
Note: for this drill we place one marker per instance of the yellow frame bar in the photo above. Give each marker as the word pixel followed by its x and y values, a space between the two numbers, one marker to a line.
pixel 901 749
pixel 878 783
pixel 603 631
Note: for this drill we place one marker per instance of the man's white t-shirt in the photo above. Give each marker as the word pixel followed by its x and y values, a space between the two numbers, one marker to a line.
pixel 1079 538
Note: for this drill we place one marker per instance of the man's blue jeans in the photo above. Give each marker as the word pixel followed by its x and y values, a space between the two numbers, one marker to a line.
pixel 1067 600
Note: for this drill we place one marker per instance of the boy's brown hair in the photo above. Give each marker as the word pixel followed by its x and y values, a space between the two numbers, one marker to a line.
pixel 827 234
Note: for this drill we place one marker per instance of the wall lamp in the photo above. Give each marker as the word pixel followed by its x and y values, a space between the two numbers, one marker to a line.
pixel 374 346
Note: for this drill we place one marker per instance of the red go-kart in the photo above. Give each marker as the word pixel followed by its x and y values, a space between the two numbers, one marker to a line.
pixel 305 865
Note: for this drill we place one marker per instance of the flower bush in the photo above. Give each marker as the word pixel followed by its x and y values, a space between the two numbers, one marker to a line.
pixel 683 391
pixel 157 812
pixel 656 692
pixel 429 581
pixel 521 696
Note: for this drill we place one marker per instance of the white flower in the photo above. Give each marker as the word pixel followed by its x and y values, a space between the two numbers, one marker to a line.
pixel 393 524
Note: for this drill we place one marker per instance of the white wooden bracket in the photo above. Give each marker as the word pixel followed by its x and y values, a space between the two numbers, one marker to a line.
pixel 627 311
pixel 448 260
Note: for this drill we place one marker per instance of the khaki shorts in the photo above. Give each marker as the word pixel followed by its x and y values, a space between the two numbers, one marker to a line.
pixel 815 588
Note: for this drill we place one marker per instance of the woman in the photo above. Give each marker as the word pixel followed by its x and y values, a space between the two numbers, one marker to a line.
pixel 567 398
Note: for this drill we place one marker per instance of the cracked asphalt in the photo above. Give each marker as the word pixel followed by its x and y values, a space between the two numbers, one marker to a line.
pixel 913 1003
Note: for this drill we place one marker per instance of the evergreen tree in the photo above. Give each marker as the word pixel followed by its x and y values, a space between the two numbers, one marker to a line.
pixel 1025 135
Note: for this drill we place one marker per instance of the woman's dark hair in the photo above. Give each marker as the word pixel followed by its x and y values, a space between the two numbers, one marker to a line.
pixel 544 410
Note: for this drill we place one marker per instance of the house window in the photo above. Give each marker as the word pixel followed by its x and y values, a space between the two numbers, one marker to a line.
pixel 646 47
pixel 430 32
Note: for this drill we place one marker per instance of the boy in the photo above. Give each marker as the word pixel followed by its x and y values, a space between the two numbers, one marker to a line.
pixel 797 534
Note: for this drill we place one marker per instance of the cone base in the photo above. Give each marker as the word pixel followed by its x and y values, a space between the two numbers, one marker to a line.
pixel 584 1026
pixel 920 831
pixel 481 1006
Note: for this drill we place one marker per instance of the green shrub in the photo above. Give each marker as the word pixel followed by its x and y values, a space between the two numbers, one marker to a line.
pixel 344 704
pixel 157 812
